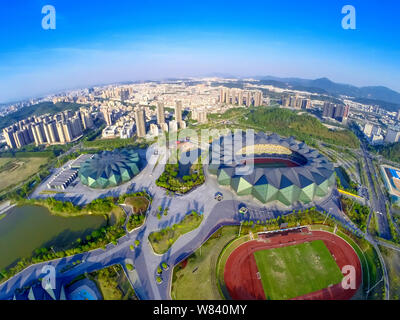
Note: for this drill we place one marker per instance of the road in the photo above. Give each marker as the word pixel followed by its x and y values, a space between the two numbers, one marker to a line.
pixel 378 198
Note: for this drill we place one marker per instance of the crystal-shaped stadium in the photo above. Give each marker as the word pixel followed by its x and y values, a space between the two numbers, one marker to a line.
pixel 283 170
pixel 110 168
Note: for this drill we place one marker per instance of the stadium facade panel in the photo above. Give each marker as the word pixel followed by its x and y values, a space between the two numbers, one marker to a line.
pixel 110 168
pixel 284 170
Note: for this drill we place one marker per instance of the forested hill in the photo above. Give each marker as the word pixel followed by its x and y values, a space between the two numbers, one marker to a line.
pixel 37 110
pixel 390 152
pixel 302 126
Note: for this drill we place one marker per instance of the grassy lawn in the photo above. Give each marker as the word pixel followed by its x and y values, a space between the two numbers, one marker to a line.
pixel 199 272
pixel 296 270
pixel 14 171
pixel 162 240
pixel 392 261
pixel 138 204
pixel 116 215
pixel 371 266
pixel 225 253
pixel 113 283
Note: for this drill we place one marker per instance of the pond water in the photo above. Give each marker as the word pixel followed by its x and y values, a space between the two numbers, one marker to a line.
pixel 24 229
pixel 342 178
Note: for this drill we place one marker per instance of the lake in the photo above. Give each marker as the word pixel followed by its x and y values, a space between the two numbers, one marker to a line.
pixel 26 228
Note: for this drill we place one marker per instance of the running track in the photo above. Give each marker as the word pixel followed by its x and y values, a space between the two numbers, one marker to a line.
pixel 240 274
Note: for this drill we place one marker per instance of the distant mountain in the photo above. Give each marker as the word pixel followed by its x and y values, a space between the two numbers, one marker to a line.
pixel 377 94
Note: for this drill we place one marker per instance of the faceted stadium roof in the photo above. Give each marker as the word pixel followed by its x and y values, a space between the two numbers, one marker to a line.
pixel 312 177
pixel 110 168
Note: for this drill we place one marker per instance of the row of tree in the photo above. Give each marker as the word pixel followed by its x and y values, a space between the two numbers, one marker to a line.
pixel 170 180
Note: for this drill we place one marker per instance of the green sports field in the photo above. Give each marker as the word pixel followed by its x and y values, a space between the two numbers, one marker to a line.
pixel 292 271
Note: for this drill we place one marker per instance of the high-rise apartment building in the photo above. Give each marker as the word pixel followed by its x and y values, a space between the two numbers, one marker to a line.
pixel 107 115
pixel 328 110
pixel 248 99
pixel 86 118
pixel 124 94
pixel 60 128
pixel 140 123
pixel 221 95
pixel 173 126
pixel 258 99
pixel 305 104
pixel 178 111
pixel 341 112
pixel 393 135
pixel 160 113
pixel 240 98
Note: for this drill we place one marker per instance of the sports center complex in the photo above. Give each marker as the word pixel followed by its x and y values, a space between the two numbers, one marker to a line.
pixel 287 263
pixel 283 170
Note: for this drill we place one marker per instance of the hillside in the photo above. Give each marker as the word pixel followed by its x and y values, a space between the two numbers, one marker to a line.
pixel 37 110
pixel 390 152
pixel 302 126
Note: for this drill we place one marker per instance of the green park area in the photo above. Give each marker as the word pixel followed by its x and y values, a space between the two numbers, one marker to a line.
pixel 139 207
pixel 112 144
pixel 198 270
pixel 344 182
pixel 101 206
pixel 17 170
pixel 139 204
pixel 113 283
pixel 283 122
pixel 303 126
pixel 174 180
pixel 162 240
pixel 357 213
pixel 392 262
pixel 292 271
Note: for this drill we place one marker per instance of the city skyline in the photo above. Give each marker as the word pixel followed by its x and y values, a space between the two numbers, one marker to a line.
pixel 103 44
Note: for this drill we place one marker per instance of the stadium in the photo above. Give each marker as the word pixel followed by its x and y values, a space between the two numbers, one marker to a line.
pixel 110 168
pixel 285 171
pixel 391 177
pixel 292 264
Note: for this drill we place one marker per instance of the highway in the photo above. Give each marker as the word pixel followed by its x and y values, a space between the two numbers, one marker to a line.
pixel 378 198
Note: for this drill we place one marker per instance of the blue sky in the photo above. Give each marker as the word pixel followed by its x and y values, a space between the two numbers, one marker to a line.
pixel 99 41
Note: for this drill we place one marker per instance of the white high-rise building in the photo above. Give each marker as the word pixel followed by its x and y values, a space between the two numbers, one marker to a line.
pixel 173 126
pixel 393 135
pixel 153 129
pixel 368 129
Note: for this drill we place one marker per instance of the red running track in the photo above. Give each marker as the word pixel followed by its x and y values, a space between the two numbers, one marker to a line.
pixel 240 273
